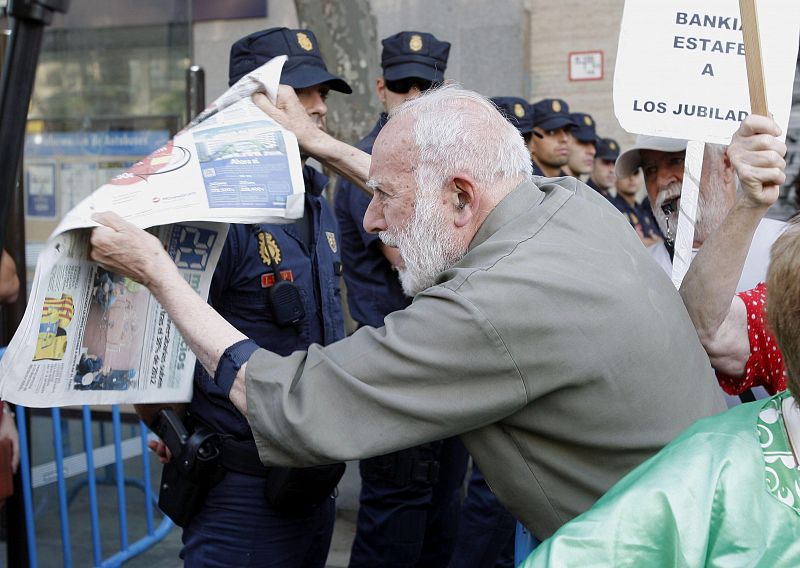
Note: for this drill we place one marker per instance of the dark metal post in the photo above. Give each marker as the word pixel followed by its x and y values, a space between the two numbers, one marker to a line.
pixel 195 91
pixel 28 19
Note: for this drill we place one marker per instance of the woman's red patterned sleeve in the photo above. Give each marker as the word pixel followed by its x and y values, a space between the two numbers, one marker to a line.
pixel 765 366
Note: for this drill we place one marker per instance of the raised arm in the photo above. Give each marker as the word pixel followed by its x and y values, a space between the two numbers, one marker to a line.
pixel 709 288
pixel 125 249
pixel 346 160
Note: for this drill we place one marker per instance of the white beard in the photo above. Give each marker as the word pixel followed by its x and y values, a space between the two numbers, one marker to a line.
pixel 712 207
pixel 426 243
pixel 667 223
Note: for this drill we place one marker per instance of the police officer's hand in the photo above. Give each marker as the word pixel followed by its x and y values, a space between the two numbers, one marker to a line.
pixel 160 449
pixel 125 249
pixel 289 112
pixel 757 156
pixel 8 429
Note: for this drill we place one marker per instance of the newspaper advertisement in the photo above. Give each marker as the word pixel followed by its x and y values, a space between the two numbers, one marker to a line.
pixel 90 336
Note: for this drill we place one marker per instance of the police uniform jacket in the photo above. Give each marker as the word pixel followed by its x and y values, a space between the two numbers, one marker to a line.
pixel 373 288
pixel 561 361
pixel 239 292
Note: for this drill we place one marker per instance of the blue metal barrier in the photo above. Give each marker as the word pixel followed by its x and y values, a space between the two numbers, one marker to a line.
pixel 524 543
pixel 126 550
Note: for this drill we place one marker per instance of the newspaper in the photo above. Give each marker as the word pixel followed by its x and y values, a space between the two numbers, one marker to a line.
pixel 90 336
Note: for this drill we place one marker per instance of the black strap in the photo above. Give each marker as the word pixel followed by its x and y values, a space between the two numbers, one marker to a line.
pixel 242 457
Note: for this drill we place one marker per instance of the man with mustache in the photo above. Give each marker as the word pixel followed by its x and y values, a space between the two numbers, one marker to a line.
pixel 512 341
pixel 662 163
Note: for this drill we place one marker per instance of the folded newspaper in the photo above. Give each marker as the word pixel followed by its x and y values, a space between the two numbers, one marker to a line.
pixel 90 336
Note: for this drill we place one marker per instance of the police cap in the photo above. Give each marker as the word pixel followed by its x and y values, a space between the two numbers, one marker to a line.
pixel 607 149
pixel 414 54
pixel 303 68
pixel 585 131
pixel 517 112
pixel 551 114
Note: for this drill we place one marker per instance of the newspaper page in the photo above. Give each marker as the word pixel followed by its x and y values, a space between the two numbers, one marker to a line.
pixel 90 336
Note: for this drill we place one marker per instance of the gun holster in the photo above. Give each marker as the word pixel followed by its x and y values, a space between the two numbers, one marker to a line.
pixel 296 490
pixel 194 469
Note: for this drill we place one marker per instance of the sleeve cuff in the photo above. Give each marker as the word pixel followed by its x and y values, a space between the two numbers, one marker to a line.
pixel 231 361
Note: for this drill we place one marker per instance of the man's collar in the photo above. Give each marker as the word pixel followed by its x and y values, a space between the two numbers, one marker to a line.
pixel 516 203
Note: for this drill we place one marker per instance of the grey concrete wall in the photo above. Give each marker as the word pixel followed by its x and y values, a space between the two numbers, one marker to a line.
pixel 487 38
pixel 576 25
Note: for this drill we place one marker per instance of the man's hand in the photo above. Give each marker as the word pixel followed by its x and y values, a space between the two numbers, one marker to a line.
pixel 757 155
pixel 289 112
pixel 124 249
pixel 8 429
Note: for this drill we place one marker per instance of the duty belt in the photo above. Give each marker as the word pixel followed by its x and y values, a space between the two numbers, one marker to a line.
pixel 242 457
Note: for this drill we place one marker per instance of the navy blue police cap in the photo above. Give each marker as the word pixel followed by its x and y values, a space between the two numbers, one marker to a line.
pixel 517 112
pixel 585 131
pixel 607 149
pixel 417 55
pixel 304 68
pixel 551 114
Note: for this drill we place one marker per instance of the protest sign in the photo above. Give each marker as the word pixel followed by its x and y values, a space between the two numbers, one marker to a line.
pixel 680 70
pixel 681 73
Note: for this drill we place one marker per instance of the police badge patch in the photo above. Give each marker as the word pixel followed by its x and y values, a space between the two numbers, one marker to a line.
pixel 415 43
pixel 268 249
pixel 331 240
pixel 519 110
pixel 304 41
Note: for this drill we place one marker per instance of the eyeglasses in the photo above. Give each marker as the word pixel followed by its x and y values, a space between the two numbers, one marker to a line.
pixel 402 86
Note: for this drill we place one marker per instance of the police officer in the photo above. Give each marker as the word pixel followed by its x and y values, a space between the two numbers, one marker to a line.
pixel 549 145
pixel 409 499
pixel 518 112
pixel 582 146
pixel 603 178
pixel 257 515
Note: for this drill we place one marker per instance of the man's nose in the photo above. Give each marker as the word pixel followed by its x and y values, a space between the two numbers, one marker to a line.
pixel 373 218
pixel 317 106
pixel 664 178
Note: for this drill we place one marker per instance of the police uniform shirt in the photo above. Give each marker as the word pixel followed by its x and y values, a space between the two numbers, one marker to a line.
pixel 239 292
pixel 559 369
pixel 636 214
pixel 603 192
pixel 537 171
pixel 373 287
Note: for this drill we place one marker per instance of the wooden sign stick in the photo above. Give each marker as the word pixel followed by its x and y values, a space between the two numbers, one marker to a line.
pixel 752 57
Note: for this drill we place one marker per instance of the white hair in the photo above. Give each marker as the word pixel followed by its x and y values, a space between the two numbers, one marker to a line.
pixel 461 131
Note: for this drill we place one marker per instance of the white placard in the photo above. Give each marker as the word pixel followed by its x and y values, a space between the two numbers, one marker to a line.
pixel 680 70
pixel 690 191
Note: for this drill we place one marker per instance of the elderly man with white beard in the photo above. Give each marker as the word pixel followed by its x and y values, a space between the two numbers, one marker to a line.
pixel 527 336
pixel 662 162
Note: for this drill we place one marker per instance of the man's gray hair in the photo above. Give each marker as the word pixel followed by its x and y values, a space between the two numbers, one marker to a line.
pixel 457 130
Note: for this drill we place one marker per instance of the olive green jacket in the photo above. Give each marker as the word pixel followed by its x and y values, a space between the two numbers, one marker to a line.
pixel 556 347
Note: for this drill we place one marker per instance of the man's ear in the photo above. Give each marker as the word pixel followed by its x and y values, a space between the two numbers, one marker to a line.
pixel 380 89
pixel 465 200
